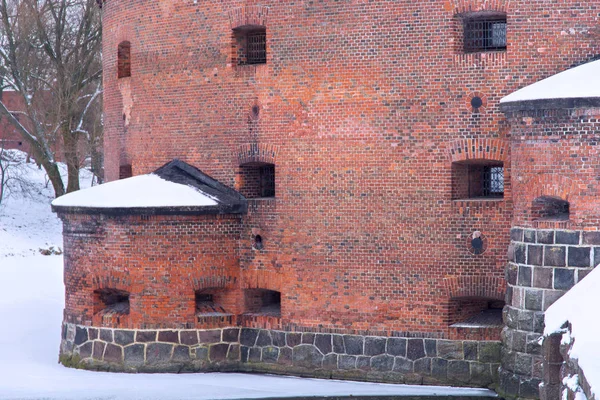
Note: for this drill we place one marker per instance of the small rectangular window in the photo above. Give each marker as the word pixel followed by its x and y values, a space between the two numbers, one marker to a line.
pixel 250 45
pixel 484 34
pixel 493 181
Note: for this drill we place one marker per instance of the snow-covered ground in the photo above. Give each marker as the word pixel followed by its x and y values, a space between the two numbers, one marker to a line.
pixel 31 304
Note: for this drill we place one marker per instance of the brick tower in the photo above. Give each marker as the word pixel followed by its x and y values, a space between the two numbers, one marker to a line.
pixel 368 143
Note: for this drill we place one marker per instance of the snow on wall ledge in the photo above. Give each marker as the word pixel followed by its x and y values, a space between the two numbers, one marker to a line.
pixel 578 308
pixel 144 191
pixel 582 82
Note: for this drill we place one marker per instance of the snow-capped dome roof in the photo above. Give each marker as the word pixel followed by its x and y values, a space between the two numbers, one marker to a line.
pixel 175 187
pixel 582 82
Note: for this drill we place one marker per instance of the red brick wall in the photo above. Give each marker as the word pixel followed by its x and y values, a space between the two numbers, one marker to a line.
pixel 161 261
pixel 363 106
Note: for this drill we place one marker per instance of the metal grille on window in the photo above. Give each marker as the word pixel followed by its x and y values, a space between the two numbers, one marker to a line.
pixel 484 34
pixel 267 181
pixel 256 52
pixel 493 181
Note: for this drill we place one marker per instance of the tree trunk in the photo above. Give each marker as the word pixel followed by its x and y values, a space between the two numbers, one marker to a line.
pixel 72 159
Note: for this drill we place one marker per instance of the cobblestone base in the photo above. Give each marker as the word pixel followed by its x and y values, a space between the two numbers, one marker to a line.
pixel 372 358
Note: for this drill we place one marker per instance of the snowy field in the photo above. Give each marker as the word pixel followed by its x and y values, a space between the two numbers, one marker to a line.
pixel 31 304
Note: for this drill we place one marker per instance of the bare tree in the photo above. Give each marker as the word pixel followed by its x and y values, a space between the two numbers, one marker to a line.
pixel 50 55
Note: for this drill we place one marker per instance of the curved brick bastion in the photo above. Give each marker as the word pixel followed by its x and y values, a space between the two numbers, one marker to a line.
pixel 160 289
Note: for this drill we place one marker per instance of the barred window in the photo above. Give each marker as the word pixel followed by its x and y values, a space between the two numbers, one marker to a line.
pixel 493 181
pixel 250 45
pixel 484 33
pixel 257 180
pixel 473 179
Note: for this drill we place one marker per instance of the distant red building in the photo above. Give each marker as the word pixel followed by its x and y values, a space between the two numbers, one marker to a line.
pixel 9 137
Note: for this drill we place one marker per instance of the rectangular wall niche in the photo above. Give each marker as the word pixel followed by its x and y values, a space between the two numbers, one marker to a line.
pixel 477 179
pixel 262 302
pixel 257 180
pixel 109 302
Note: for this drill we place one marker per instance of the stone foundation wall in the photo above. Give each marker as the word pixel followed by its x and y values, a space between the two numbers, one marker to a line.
pixel 372 358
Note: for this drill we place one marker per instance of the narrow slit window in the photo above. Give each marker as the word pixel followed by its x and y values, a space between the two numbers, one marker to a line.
pixel 124 60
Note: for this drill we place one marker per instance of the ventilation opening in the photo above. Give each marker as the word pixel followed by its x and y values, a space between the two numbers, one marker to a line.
pixel 257 180
pixel 258 243
pixel 477 179
pixel 209 302
pixel 484 32
pixel 547 208
pixel 125 171
pixel 124 60
pixel 475 312
pixel 250 45
pixel 111 302
pixel 263 302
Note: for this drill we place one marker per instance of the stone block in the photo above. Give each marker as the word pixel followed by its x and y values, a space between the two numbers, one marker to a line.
pixel 566 237
pixel 234 352
pixel 338 344
pixel 85 350
pixel 519 340
pixel 403 365
pixel 382 363
pixel 270 354
pixel 396 346
pixel 596 256
pixel 308 338
pixel 346 362
pixel 509 383
pixel 113 353
pixel 189 338
pixel 353 344
pixel 524 276
pixel 459 371
pixel 564 279
pixel 145 336
pixel 480 374
pixel 545 237
pixel 81 336
pixel 535 254
pixel 529 236
pixel 200 353
pixel 523 364
pixel 550 297
pixel 516 234
pixel 423 366
pixel 529 389
pixel 538 321
pixel 489 352
pixel 124 338
pixel 520 253
pixel 307 356
pixel 248 337
pixel 450 349
pixel 168 336
pixel 374 345
pixel 525 320
pixel 542 278
pixel 439 369
pixel 244 352
pixel 470 350
pixel 181 354
pixel 134 355
pixel 98 350
pixel 231 335
pixel 579 257
pixel 324 343
pixel 512 273
pixel 158 353
pixel 106 335
pixel 592 238
pixel 211 336
pixel 285 356
pixel 534 299
pixel 555 256
pixel 278 338
pixel 330 361
pixel 415 349
pixel 93 333
pixel 218 352
pixel 363 363
pixel 293 339
pixel 430 348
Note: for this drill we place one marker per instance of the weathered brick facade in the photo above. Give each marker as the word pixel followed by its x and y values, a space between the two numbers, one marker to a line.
pixel 378 124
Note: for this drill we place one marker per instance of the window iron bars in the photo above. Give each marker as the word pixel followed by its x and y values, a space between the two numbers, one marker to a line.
pixel 493 181
pixel 484 35
pixel 256 48
pixel 267 181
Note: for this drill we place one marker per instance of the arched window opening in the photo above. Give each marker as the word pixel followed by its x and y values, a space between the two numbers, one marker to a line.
pixel 209 302
pixel 477 179
pixel 548 208
pixel 124 60
pixel 108 302
pixel 250 45
pixel 257 180
pixel 475 312
pixel 263 302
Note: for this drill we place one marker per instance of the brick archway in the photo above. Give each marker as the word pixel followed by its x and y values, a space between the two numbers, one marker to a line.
pixel 466 6
pixel 478 149
pixel 257 153
pixel 248 15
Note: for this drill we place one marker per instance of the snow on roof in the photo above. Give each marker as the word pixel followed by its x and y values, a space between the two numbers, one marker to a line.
pixel 579 82
pixel 579 306
pixel 143 191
